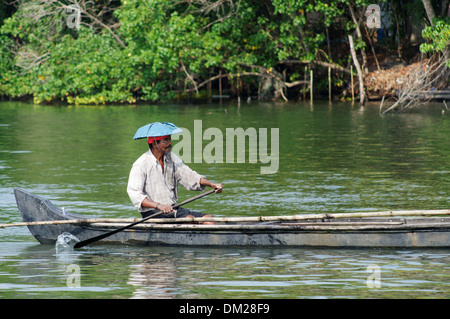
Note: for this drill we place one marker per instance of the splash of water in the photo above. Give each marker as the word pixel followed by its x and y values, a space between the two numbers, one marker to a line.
pixel 65 242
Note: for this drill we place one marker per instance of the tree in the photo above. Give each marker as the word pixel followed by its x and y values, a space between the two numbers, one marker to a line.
pixel 430 10
pixel 131 50
pixel 435 72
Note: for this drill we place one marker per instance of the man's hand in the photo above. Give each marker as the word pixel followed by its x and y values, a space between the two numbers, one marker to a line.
pixel 217 187
pixel 165 208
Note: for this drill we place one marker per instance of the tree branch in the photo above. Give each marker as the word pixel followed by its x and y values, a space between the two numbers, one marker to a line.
pixel 322 63
pixel 418 82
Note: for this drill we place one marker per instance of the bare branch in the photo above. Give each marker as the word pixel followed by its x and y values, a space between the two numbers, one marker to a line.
pixel 53 14
pixel 417 84
pixel 189 77
pixel 322 63
pixel 222 9
pixel 28 59
pixel 216 77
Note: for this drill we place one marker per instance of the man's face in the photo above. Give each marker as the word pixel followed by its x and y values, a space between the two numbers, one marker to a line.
pixel 165 145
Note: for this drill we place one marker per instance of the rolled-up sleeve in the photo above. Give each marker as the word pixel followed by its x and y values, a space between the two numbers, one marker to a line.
pixel 135 186
pixel 187 177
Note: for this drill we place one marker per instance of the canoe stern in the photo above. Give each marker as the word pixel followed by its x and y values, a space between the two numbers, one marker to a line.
pixel 35 208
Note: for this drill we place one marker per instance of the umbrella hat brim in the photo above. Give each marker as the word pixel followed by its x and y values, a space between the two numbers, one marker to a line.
pixel 156 129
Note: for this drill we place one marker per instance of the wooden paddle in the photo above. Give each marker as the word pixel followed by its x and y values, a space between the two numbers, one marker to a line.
pixel 97 238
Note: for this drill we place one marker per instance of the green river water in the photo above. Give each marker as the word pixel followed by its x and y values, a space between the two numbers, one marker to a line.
pixel 325 158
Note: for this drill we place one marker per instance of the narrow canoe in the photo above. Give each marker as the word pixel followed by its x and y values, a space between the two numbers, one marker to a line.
pixel 396 229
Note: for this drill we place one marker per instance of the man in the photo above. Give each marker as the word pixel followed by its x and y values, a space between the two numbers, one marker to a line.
pixel 154 177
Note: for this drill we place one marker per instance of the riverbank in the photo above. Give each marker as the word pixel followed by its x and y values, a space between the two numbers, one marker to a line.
pixel 384 81
pixel 388 82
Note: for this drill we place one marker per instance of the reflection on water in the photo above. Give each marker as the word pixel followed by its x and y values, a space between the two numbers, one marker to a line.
pixel 332 159
pixel 158 272
pixel 153 280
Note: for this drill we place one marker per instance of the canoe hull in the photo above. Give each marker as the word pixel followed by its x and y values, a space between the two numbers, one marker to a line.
pixel 414 232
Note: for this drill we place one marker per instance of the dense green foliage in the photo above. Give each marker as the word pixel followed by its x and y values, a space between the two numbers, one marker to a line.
pixel 156 49
pixel 439 36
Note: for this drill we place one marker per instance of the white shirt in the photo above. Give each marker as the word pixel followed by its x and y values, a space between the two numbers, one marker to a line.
pixel 148 180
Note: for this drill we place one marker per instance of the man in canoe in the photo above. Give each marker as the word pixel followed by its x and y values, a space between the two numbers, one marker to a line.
pixel 154 177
